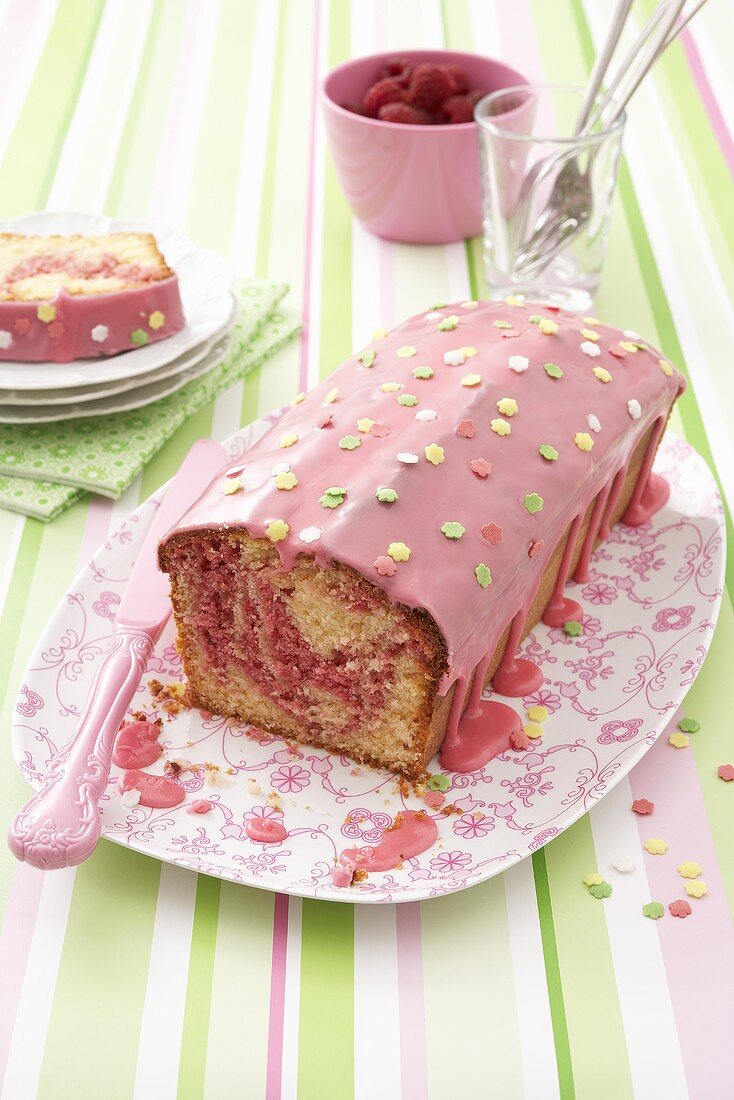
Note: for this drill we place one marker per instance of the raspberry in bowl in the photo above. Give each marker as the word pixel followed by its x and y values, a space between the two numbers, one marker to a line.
pixel 403 138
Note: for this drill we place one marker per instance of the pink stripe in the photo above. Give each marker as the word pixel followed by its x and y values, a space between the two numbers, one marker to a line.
pixel 99 514
pixel 411 1007
pixel 701 80
pixel 308 259
pixel 14 33
pixel 15 945
pixel 274 1071
pixel 698 951
pixel 519 39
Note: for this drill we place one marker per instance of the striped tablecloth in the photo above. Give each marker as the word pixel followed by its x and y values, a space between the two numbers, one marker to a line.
pixel 128 978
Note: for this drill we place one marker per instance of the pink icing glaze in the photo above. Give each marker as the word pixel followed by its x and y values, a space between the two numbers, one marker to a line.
pixel 440 574
pixel 200 806
pixel 68 335
pixel 412 833
pixel 137 745
pixel 156 791
pixel 480 736
pixel 266 830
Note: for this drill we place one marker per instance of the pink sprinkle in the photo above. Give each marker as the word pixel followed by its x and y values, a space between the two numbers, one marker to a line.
pixel 379 431
pixel 480 467
pixel 22 326
pixel 200 806
pixel 519 740
pixel 617 352
pixel 680 908
pixel 509 333
pixel 643 806
pixel 726 772
pixel 465 429
pixel 434 799
pixel 493 533
pixel 56 330
pixel 385 566
pixel 552 309
pixel 535 547
pixel 325 420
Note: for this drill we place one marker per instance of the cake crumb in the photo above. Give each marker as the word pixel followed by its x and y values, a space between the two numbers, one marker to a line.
pixel 172 697
pixel 253 786
pixel 274 799
pixel 360 875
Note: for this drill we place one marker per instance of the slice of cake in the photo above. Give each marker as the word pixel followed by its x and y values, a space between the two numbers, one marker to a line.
pixel 64 298
pixel 381 552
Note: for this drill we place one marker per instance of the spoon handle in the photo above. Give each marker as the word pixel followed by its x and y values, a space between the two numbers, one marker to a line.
pixel 601 64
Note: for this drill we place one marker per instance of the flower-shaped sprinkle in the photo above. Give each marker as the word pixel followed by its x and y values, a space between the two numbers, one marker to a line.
pixel 518 363
pixel 309 534
pixel 519 740
pixel 493 533
pixel 333 496
pixel 379 334
pixel 448 324
pixel 465 429
pixel 602 373
pixel 628 346
pixel 593 879
pixel 407 399
pixel 365 425
pixel 331 396
pixel 583 441
pixel 385 566
pixel 288 440
pixel 537 713
pixel 391 387
pixel 468 351
pixel 297 400
pixel 501 324
pixel 643 806
pixel 434 454
pixel 545 450
pixel 286 481
pixel 157 319
pixel 483 575
pixel 590 349
pixel 500 426
pixel 548 327
pixel 725 772
pixel 689 869
pixel 653 910
pixel 507 406
pixel 426 415
pixel 399 551
pixel 535 547
pixel 46 313
pixel 623 864
pixel 665 367
pixel 655 846
pixel 590 334
pixel 367 357
pixel 99 333
pixel 634 408
pixel 386 495
pixel 231 485
pixel 680 908
pixel 552 370
pixel 601 890
pixel 452 529
pixel 379 431
pixel 277 530
pixel 532 503
pixel 533 730
pixel 573 628
pixel 593 422
pixel 422 373
pixel 696 889
pixel 406 352
pixel 350 442
pixel 689 725
pixel 139 337
pixel 471 380
pixel 480 467
pixel 407 458
pixel 679 740
pixel 454 358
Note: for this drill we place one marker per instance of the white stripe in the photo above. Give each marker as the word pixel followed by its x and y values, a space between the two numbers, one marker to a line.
pixel 25 1057
pixel 25 66
pixel 486 35
pixel 376 1007
pixel 642 986
pixel 161 1022
pixel 709 39
pixel 535 1028
pixel 313 321
pixel 292 999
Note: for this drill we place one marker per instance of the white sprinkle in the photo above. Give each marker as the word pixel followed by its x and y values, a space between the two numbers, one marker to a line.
pixel 310 534
pixel 454 358
pixel 623 864
pixel 594 422
pixel 469 305
pixel 5 338
pixel 434 315
pixel 407 457
pixel 130 798
pixel 281 468
pixel 99 333
pixel 591 349
pixel 631 334
pixel 426 414
pixel 634 408
pixel 518 363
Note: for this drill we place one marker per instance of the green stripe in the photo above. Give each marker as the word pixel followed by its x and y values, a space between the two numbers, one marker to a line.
pixel 553 976
pixel 267 205
pixel 192 1063
pixel 326 1023
pixel 94 1029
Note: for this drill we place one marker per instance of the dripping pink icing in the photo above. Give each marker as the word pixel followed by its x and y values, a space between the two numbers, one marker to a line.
pixel 481 735
pixel 412 833
pixel 137 745
pixel 652 491
pixel 156 791
pixel 265 830
pixel 561 608
pixel 516 676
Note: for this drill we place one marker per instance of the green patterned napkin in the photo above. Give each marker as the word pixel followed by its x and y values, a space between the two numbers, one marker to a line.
pixel 48 467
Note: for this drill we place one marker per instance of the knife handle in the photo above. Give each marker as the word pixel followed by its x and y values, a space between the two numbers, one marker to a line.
pixel 60 825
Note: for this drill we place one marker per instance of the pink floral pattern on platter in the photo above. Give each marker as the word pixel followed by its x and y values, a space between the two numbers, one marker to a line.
pixel 650 605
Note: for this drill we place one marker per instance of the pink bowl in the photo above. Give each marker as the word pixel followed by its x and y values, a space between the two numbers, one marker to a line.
pixel 409 183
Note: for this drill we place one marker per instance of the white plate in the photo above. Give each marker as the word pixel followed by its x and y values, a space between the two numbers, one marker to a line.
pixel 650 609
pixel 205 281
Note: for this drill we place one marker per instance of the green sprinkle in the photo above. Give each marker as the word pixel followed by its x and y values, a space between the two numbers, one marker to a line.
pixel 438 305
pixel 546 451
pixel 335 491
pixel 139 337
pixel 603 890
pixel 573 628
pixel 438 783
pixel 422 372
pixel 689 725
pixel 533 502
pixel 408 399
pixel 448 324
pixel 501 324
pixel 640 347
pixel 452 529
pixel 552 370
pixel 483 575
pixel 653 909
pixel 350 442
pixel 328 501
pixel 386 496
pixel 535 319
pixel 367 358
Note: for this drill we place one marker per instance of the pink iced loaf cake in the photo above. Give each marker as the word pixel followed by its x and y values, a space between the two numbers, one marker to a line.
pixel 379 554
pixel 76 297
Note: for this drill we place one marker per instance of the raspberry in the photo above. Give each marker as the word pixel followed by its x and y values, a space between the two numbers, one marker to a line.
pixel 403 112
pixel 397 68
pixel 354 106
pixel 476 95
pixel 459 79
pixel 457 108
pixel 384 91
pixel 429 86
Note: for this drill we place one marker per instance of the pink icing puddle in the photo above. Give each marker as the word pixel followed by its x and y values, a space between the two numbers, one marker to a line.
pixel 560 611
pixel 480 737
pixel 156 791
pixel 412 833
pixel 652 498
pixel 266 831
pixel 517 677
pixel 200 806
pixel 137 745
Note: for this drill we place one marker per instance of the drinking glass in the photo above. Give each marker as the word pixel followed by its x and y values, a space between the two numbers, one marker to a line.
pixel 547 193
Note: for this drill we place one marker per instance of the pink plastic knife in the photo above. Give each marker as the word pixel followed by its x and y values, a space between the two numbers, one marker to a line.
pixel 60 825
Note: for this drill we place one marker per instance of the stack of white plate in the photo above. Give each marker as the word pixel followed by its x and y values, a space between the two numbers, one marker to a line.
pixel 35 393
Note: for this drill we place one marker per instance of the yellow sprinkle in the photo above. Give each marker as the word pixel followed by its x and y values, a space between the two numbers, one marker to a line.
pixel 277 530
pixel 689 869
pixel 469 305
pixel 593 880
pixel 547 326
pixel 405 352
pixel 46 313
pixel 500 426
pixel 379 334
pixel 391 387
pixel 231 485
pixel 655 846
pixel 331 396
pixel 298 399
pixel 398 551
pixel 591 321
pixel 513 300
pixel 589 334
pixel 627 345
pixel 533 729
pixel 468 352
pixel 507 406
pixel 286 481
pixel 288 440
pixel 471 379
pixel 696 889
pixel 583 441
pixel 434 454
pixel 365 425
pixel 156 319
pixel 665 367
pixel 602 374
pixel 537 714
pixel 679 740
